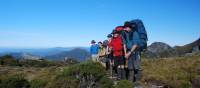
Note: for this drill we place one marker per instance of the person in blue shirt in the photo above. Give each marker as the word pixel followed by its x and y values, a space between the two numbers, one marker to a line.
pixel 94 48
pixel 132 53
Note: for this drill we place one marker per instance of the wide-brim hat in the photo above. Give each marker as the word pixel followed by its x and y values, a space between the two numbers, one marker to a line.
pixel 115 32
pixel 109 36
pixel 93 41
pixel 127 24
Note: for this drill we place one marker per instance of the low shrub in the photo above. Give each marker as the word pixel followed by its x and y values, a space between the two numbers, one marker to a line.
pixel 86 74
pixel 8 60
pixel 124 84
pixel 37 83
pixel 15 81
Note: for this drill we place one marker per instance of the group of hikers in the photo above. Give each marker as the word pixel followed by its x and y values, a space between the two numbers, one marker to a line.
pixel 121 52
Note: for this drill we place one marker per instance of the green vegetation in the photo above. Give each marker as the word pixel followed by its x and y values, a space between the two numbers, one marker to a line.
pixel 38 83
pixel 87 74
pixel 39 63
pixel 15 81
pixel 124 84
pixel 169 72
pixel 74 76
pixel 9 61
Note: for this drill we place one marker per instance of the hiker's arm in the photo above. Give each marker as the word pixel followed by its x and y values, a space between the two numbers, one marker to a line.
pixel 107 51
pixel 124 45
pixel 125 49
pixel 133 48
pixel 127 55
pixel 136 41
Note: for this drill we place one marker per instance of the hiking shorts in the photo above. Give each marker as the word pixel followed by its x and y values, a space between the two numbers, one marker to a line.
pixel 119 60
pixel 134 61
pixel 95 57
pixel 109 58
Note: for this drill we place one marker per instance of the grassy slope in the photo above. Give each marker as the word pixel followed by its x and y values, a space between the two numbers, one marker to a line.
pixel 173 72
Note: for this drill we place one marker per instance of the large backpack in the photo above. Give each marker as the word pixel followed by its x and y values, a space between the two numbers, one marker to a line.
pixel 139 26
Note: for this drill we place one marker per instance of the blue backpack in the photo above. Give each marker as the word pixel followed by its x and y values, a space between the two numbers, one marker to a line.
pixel 139 27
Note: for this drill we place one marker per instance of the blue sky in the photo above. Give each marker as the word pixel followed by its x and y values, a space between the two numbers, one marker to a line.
pixel 68 23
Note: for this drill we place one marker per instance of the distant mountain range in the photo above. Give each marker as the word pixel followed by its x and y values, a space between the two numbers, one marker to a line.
pixel 155 50
pixel 80 54
pixel 38 51
pixel 23 56
pixel 57 53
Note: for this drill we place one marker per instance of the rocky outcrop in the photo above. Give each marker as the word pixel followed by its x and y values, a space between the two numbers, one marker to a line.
pixel 163 50
pixel 160 50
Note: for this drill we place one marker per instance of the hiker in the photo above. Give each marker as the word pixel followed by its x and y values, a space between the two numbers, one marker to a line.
pixel 117 47
pixel 107 56
pixel 135 42
pixel 102 54
pixel 94 51
pixel 109 53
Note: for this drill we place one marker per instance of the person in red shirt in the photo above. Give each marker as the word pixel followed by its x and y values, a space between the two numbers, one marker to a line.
pixel 118 55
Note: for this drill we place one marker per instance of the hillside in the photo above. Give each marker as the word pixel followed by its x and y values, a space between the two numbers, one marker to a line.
pixel 37 51
pixel 163 50
pixel 159 50
pixel 78 53
pixel 181 72
pixel 188 48
pixel 173 72
pixel 22 55
pixel 57 54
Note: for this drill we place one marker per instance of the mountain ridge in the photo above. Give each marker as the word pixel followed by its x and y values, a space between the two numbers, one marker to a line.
pixel 163 50
pixel 155 50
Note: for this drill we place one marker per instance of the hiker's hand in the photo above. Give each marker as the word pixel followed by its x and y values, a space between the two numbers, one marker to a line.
pixel 127 55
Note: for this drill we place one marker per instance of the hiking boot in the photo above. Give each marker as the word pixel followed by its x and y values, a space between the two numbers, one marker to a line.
pixel 131 76
pixel 123 74
pixel 137 84
pixel 137 75
pixel 119 72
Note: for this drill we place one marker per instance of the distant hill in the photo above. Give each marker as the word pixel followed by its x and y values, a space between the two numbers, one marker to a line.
pixel 36 51
pixel 161 50
pixel 23 56
pixel 57 53
pixel 188 48
pixel 78 53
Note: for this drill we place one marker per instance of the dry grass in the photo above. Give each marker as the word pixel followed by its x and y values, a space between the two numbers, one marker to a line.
pixel 173 72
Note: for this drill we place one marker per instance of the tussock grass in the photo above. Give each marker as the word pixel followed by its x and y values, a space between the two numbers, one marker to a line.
pixel 172 72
